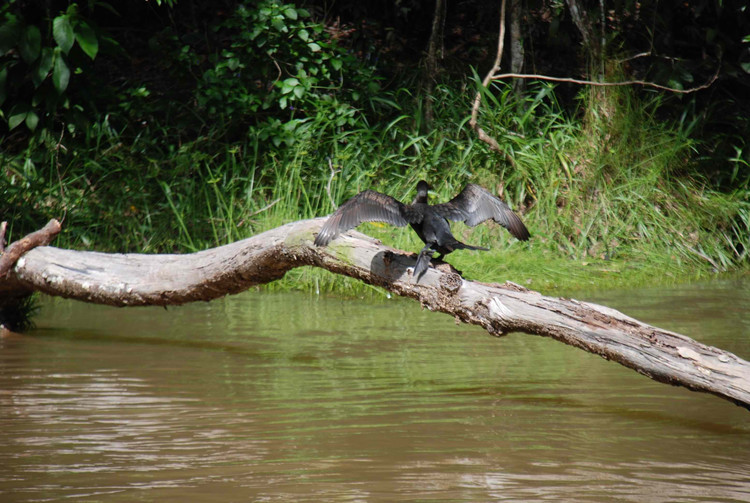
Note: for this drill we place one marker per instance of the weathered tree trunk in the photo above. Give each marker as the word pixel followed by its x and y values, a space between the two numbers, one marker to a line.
pixel 136 279
pixel 582 22
pixel 516 44
pixel 432 60
pixel 595 46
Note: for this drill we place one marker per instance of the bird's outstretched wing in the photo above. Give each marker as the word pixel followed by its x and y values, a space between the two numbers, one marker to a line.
pixel 367 206
pixel 475 204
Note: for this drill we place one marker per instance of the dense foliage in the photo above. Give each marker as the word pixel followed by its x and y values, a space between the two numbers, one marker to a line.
pixel 174 126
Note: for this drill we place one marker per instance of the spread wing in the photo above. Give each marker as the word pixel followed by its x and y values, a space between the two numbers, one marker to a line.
pixel 475 204
pixel 367 206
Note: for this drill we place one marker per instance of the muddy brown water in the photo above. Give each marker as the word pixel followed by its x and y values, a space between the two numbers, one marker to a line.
pixel 291 397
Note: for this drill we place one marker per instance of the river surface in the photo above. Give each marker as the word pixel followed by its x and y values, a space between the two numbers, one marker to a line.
pixel 292 397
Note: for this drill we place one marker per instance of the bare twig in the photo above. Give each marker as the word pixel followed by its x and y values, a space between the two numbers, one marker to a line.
pixel 494 145
pixel 62 147
pixel 330 180
pixel 635 56
pixel 264 208
pixel 3 228
pixel 278 77
pixel 706 258
pixel 606 84
pixel 492 75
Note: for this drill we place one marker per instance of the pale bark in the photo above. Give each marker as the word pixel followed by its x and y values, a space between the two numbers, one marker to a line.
pixel 432 60
pixel 516 43
pixel 581 20
pixel 138 279
pixel 474 119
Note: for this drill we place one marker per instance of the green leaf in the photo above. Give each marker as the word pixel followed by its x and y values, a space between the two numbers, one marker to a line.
pixel 60 74
pixel 313 47
pixel 336 64
pixel 17 115
pixel 31 44
pixel 32 119
pixel 279 24
pixel 62 30
pixel 304 35
pixel 288 85
pixel 87 39
pixel 299 91
pixel 745 67
pixel 10 32
pixel 291 13
pixel 43 67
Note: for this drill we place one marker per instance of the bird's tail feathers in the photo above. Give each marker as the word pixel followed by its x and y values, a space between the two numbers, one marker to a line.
pixel 458 245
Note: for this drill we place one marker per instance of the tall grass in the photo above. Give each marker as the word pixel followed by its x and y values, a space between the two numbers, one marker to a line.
pixel 609 196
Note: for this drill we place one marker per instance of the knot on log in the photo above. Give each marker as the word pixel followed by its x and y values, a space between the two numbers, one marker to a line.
pixel 451 282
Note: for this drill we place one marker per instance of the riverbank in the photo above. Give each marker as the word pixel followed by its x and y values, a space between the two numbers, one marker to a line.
pixel 611 195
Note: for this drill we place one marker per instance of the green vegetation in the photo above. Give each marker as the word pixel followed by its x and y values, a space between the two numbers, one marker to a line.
pixel 279 119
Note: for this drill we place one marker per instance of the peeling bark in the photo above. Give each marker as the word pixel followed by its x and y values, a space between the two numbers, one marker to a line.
pixel 137 279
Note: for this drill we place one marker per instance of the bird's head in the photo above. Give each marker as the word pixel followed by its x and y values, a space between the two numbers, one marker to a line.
pixel 422 189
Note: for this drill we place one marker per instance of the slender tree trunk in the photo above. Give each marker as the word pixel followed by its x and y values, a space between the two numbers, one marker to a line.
pixel 581 20
pixel 516 43
pixel 593 43
pixel 435 51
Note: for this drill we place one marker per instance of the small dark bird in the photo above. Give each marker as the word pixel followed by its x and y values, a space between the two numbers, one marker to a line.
pixel 473 205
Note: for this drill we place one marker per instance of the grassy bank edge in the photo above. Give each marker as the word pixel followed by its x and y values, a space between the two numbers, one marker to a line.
pixel 610 195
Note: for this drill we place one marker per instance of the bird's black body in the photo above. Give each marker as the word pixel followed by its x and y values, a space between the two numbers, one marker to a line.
pixel 473 205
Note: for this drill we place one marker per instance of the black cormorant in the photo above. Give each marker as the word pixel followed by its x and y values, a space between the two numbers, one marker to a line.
pixel 473 206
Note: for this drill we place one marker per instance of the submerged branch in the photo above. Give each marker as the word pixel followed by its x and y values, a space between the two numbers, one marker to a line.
pixel 138 279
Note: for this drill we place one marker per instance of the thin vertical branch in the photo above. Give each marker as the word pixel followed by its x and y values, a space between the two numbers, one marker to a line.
pixel 3 228
pixel 481 133
pixel 328 185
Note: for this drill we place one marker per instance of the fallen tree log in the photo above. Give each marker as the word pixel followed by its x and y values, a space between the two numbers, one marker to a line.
pixel 138 280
